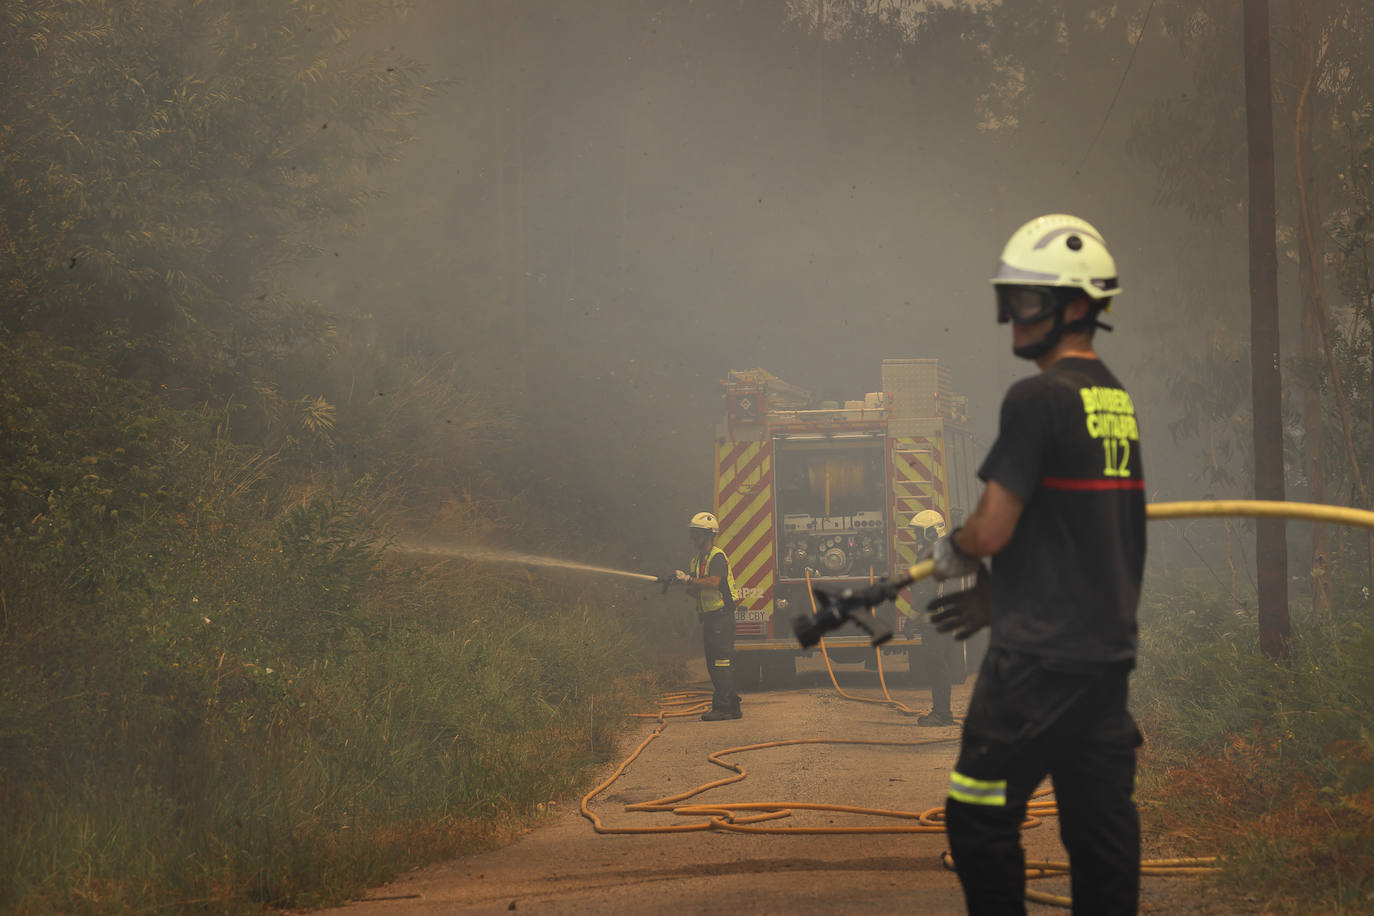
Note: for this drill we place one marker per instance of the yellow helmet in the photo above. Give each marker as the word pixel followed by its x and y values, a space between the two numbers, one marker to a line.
pixel 704 521
pixel 929 525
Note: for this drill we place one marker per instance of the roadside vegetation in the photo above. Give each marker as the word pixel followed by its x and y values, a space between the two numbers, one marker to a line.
pixel 1266 763
pixel 222 688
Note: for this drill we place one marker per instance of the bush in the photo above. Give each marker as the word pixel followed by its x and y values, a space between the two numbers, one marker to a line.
pixel 213 691
pixel 1269 763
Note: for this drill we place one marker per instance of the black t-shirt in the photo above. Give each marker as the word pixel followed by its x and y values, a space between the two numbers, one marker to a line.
pixel 1067 585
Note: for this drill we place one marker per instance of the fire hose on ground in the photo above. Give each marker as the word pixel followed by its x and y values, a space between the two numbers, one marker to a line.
pixel 854 605
pixel 748 817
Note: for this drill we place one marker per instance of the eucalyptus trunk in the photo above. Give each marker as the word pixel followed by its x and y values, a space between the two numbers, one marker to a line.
pixel 1313 305
pixel 1271 554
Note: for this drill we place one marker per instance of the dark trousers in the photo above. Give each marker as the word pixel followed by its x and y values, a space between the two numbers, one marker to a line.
pixel 936 649
pixel 718 641
pixel 1026 721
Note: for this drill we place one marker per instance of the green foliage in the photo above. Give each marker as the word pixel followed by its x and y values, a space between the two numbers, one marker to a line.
pixel 162 159
pixel 1199 665
pixel 1351 229
pixel 1212 389
pixel 214 689
pixel 1261 756
pixel 327 555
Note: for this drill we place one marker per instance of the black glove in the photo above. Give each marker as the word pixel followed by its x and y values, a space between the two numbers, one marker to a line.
pixel 964 613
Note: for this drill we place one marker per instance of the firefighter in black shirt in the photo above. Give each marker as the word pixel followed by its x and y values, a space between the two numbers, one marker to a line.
pixel 1062 518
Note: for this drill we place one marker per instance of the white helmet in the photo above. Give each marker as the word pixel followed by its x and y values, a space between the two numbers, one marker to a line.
pixel 1050 262
pixel 1059 250
pixel 704 521
pixel 928 524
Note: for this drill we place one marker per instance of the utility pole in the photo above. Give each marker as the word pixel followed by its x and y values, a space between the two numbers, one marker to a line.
pixel 1266 384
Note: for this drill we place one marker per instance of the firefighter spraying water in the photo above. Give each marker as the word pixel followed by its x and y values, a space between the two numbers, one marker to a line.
pixel 712 583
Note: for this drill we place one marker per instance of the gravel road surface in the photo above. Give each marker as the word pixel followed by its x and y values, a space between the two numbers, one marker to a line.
pixel 564 866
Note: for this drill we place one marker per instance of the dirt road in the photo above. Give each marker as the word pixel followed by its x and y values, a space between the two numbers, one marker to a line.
pixel 566 867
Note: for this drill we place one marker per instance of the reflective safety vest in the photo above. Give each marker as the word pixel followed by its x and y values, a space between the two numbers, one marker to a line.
pixel 710 599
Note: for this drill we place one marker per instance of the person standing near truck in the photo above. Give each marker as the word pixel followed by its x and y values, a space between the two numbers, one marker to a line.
pixel 712 583
pixel 928 526
pixel 1062 518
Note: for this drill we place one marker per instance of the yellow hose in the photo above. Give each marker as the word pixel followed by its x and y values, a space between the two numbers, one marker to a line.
pixel 1227 508
pixel 1261 508
pixel 1159 868
pixel 743 816
pixel 740 816
pixel 882 677
pixel 748 817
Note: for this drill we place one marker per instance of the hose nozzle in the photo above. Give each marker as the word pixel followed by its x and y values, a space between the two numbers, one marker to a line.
pixel 834 607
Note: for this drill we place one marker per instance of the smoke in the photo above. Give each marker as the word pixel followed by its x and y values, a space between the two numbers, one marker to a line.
pixel 611 205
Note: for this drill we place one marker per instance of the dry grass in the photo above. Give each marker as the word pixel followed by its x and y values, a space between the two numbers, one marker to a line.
pixel 1267 764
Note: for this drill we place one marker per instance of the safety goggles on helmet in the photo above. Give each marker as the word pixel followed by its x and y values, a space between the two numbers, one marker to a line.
pixel 1029 304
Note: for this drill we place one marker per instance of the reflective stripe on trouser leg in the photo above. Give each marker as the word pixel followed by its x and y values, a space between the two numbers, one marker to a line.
pixel 970 791
pixel 718 637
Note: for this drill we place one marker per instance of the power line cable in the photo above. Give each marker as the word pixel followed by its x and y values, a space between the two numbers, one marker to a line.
pixel 1129 63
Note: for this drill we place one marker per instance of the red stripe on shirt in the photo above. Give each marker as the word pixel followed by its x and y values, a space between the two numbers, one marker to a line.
pixel 1091 483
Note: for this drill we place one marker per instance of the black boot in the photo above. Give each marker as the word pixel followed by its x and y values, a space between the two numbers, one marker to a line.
pixel 719 715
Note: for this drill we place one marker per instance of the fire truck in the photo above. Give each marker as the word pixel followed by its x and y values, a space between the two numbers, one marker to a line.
pixel 823 493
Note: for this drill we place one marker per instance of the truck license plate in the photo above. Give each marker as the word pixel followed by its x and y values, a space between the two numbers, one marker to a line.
pixel 752 616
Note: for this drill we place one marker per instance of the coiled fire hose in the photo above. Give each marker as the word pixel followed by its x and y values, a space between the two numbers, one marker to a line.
pixel 745 817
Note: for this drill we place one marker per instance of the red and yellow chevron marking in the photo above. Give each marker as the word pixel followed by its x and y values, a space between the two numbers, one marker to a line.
pixel 918 482
pixel 744 506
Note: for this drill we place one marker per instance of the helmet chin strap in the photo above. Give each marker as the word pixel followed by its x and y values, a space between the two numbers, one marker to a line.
pixel 1056 333
pixel 1046 343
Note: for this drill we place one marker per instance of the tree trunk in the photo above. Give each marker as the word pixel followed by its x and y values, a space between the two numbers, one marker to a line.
pixel 1313 306
pixel 1352 453
pixel 1271 554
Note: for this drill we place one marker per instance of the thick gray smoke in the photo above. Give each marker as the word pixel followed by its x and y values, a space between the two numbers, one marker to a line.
pixel 610 205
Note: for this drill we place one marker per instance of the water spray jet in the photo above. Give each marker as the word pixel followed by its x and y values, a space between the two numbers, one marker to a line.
pixel 489 555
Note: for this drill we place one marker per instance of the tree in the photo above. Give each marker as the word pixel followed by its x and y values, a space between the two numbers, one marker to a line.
pixel 161 161
pixel 1305 69
pixel 1271 553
